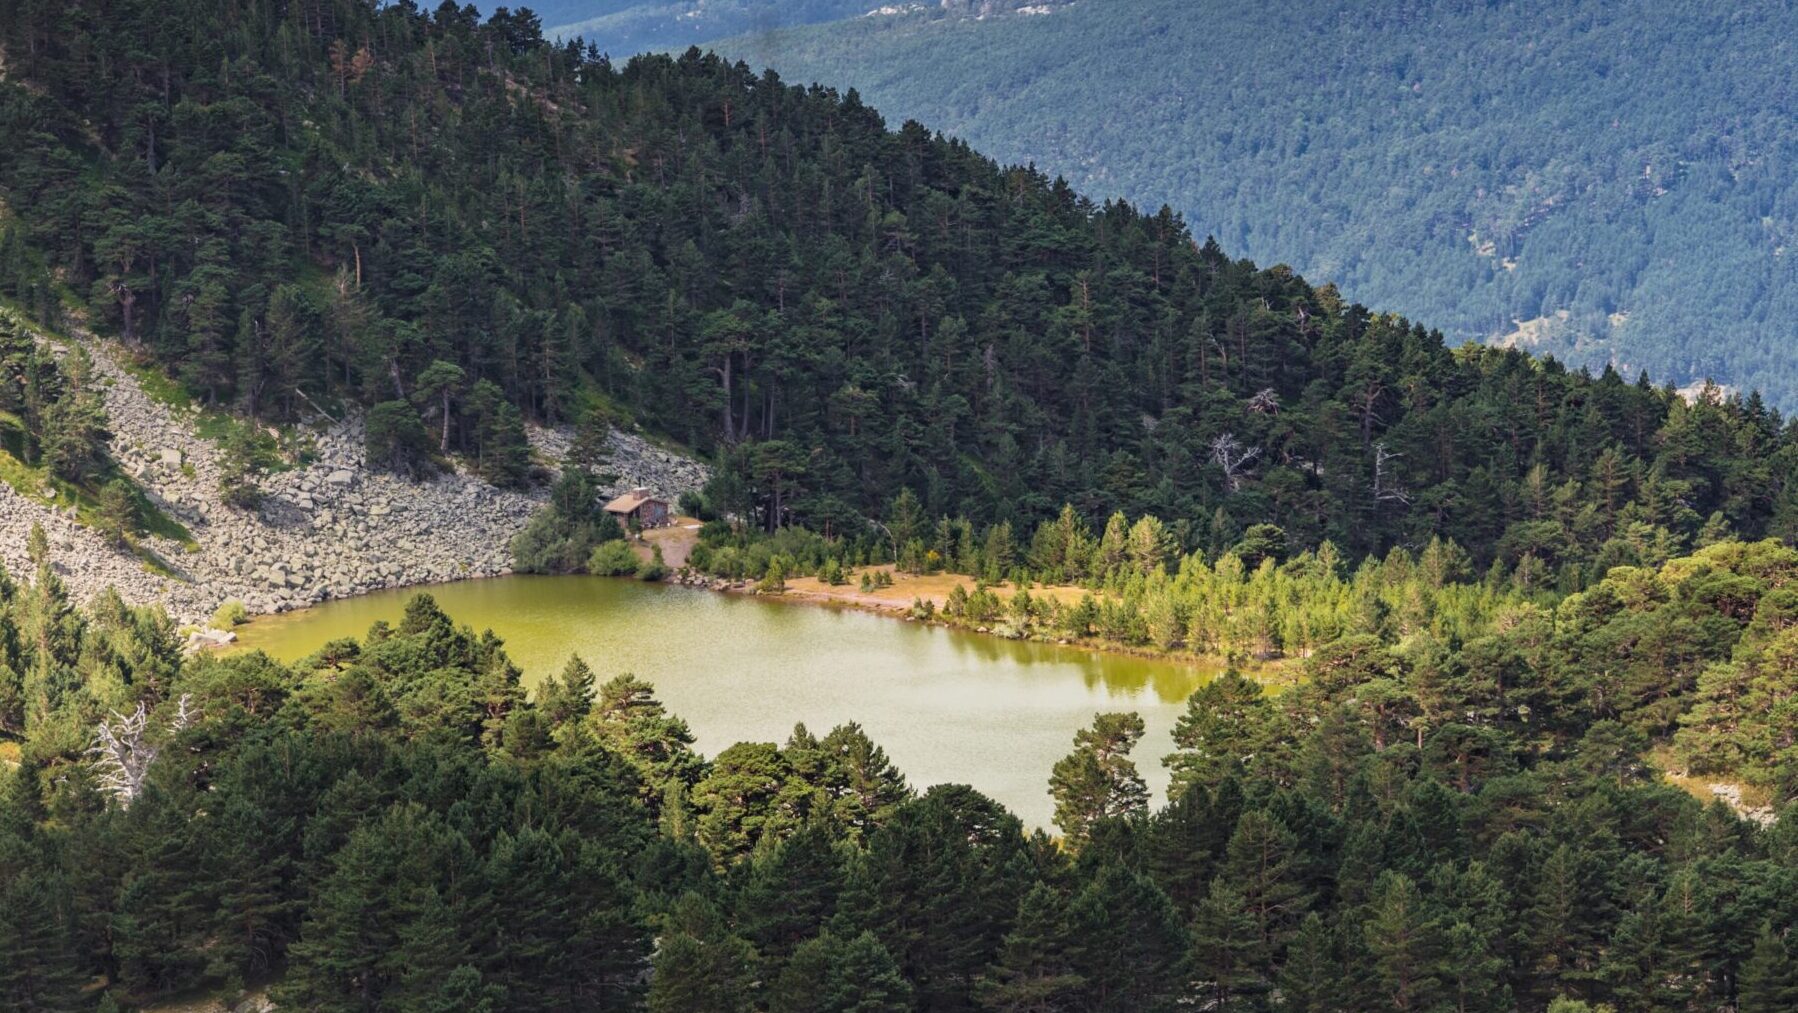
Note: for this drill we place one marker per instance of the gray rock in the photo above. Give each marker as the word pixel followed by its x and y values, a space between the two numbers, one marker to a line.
pixel 359 529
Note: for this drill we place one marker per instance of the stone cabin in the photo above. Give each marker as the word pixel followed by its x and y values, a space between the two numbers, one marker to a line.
pixel 639 509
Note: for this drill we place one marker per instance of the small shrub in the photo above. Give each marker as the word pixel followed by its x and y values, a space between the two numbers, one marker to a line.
pixel 230 613
pixel 652 568
pixel 613 559
pixel 694 505
pixel 957 603
pixel 832 572
pixel 397 440
pixel 774 579
pixel 245 456
pixel 118 515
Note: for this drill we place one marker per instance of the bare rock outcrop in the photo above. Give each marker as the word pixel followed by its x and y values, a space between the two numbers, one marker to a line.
pixel 329 529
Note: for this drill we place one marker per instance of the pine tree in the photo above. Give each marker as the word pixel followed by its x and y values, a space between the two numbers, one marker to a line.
pixel 700 965
pixel 1033 973
pixel 628 718
pixel 1261 865
pixel 1769 979
pixel 118 513
pixel 567 698
pixel 40 967
pixel 864 786
pixel 940 886
pixel 1129 945
pixel 1470 971
pixel 1225 729
pixel 1097 781
pixel 790 892
pixel 1310 979
pixel 1227 950
pixel 1405 942
pixel 831 975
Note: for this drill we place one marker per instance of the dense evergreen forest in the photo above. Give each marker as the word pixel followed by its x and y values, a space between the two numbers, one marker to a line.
pixel 1468 163
pixel 465 227
pixel 395 824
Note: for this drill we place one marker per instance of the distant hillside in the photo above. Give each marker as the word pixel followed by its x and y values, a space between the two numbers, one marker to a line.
pixel 1607 182
pixel 623 27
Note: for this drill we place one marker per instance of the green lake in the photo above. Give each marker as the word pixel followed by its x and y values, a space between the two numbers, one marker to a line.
pixel 947 706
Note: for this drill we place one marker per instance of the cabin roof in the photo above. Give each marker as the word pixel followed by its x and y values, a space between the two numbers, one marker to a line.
pixel 629 502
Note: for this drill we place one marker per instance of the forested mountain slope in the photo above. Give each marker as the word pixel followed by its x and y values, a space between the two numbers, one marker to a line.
pixel 624 27
pixel 465 226
pixel 1617 176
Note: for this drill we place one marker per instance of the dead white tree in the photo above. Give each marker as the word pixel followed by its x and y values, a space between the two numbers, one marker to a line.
pixel 1265 402
pixel 1386 488
pixel 122 753
pixel 1228 453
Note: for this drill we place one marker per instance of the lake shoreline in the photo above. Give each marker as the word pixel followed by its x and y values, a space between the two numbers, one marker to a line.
pixel 949 706
pixel 1274 672
pixel 1270 672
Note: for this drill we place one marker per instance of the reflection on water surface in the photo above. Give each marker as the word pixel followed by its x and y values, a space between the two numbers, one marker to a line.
pixel 947 706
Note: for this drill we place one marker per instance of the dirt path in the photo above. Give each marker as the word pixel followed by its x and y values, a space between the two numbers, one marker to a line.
pixel 907 587
pixel 676 540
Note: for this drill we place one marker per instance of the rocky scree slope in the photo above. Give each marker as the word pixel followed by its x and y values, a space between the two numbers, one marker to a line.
pixel 329 529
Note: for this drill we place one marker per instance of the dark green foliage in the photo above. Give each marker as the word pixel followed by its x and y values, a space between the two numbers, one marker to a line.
pixel 56 402
pixel 245 455
pixel 118 515
pixel 561 538
pixel 940 886
pixel 1098 781
pixel 628 719
pixel 1034 970
pixel 1129 946
pixel 1224 731
pixel 397 441
pixel 832 310
pixel 831 975
pixel 1472 164
pixel 701 965
pixel 40 965
pixel 391 823
pixel 1769 979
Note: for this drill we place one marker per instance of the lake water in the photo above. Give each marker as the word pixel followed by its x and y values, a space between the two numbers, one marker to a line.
pixel 947 706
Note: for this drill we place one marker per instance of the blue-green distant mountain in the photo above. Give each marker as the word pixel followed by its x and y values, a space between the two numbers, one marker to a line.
pixel 623 27
pixel 1603 181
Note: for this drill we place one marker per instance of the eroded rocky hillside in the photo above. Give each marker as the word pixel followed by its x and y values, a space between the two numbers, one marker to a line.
pixel 329 528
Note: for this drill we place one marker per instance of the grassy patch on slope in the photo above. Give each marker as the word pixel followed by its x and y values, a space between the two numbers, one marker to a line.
pixel 35 483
